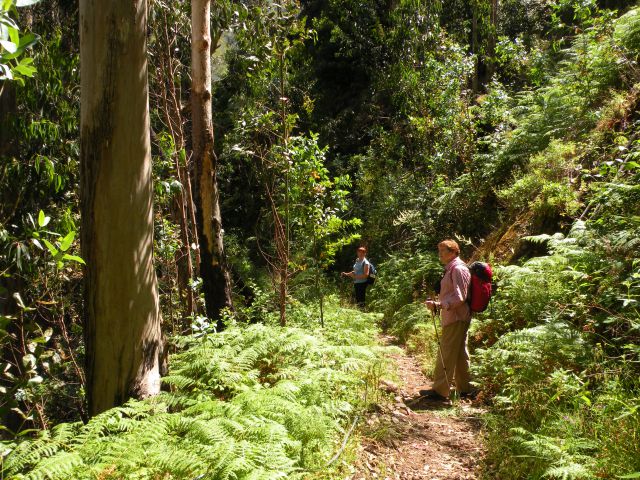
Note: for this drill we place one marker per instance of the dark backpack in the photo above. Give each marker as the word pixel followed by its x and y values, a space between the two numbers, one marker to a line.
pixel 371 279
pixel 480 288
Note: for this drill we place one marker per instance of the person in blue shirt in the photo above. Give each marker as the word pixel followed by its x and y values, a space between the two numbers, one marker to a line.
pixel 359 274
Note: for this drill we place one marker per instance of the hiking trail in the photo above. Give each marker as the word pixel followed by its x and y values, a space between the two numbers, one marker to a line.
pixel 422 441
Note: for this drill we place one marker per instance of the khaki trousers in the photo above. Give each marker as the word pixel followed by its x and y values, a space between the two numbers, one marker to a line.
pixel 455 354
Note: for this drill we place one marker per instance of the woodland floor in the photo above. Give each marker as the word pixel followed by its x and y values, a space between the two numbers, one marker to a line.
pixel 425 440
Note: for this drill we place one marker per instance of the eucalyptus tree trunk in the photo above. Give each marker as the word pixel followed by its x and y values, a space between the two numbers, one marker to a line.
pixel 215 276
pixel 492 40
pixel 475 87
pixel 121 311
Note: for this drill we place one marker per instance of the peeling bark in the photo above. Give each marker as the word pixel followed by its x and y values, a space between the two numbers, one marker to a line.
pixel 215 275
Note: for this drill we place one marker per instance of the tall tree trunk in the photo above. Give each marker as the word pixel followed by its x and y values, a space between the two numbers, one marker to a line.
pixel 474 49
pixel 215 275
pixel 121 311
pixel 492 40
pixel 168 98
pixel 286 247
pixel 7 111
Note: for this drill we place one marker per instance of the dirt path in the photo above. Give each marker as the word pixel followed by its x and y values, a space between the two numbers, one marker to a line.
pixel 424 441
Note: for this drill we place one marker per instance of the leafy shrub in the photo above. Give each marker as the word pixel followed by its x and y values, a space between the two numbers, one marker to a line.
pixel 401 279
pixel 547 187
pixel 527 357
pixel 408 319
pixel 582 435
pixel 568 398
pixel 525 294
pixel 627 31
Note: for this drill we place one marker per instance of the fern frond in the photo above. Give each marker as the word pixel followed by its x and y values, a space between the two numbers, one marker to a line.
pixel 61 465
pixel 570 471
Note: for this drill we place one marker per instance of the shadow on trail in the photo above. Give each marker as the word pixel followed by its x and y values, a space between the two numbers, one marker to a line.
pixel 421 404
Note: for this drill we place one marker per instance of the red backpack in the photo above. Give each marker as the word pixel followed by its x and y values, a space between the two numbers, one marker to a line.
pixel 480 288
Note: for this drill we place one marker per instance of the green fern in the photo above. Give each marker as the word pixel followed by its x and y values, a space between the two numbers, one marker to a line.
pixel 565 458
pixel 250 402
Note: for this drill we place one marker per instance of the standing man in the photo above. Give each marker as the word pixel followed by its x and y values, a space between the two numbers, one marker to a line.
pixel 453 362
pixel 360 275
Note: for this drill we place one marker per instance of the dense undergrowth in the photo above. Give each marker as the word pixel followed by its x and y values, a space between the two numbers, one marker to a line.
pixel 253 401
pixel 531 132
pixel 557 355
pixel 561 362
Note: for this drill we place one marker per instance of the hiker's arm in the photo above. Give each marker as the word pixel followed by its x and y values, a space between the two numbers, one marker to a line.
pixel 355 276
pixel 461 279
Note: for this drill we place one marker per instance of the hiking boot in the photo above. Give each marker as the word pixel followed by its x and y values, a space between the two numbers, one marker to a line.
pixel 470 395
pixel 432 395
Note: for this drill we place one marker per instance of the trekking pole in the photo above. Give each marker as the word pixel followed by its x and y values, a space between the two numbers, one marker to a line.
pixel 435 327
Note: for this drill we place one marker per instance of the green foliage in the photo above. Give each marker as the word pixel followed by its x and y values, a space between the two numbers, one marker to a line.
pixel 415 326
pixel 423 145
pixel 566 386
pixel 403 278
pixel 28 374
pixel 13 44
pixel 528 357
pixel 318 202
pixel 250 402
pixel 561 107
pixel 403 144
pixel 548 186
pixel 627 32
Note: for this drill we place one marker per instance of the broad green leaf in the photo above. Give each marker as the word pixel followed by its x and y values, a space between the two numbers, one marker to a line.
pixel 10 23
pixel 10 56
pixel 73 258
pixel 9 46
pixel 43 220
pixel 22 44
pixel 53 250
pixel 28 40
pixel 632 165
pixel 631 475
pixel 37 243
pixel 14 36
pixel 25 70
pixel 66 242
